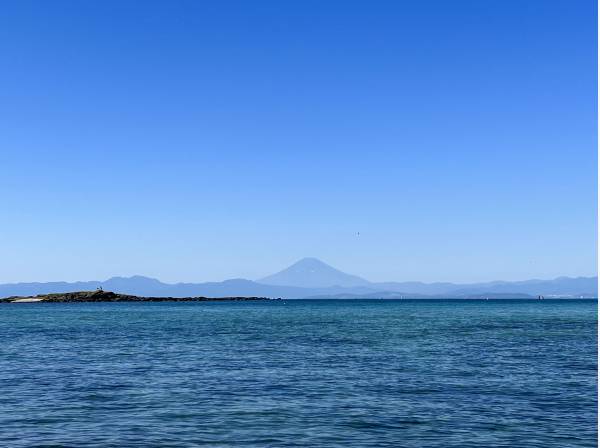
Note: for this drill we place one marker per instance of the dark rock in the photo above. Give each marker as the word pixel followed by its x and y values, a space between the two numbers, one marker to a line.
pixel 109 296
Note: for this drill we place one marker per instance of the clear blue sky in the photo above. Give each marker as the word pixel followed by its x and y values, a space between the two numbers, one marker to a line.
pixel 197 140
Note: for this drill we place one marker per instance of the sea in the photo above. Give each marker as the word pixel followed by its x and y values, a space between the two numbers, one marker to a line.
pixel 300 373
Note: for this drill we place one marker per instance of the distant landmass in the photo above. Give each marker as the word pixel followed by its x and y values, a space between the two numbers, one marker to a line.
pixel 100 295
pixel 311 278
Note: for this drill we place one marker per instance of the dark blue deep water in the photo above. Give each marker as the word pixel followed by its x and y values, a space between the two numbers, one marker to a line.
pixel 300 373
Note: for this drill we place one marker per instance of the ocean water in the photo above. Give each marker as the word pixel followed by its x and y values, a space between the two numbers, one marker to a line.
pixel 300 374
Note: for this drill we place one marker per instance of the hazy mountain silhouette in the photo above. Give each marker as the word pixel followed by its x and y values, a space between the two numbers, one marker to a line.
pixel 313 273
pixel 569 286
pixel 309 278
pixel 145 286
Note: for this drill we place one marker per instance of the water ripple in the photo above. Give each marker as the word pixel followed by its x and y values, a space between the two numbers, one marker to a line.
pixel 310 373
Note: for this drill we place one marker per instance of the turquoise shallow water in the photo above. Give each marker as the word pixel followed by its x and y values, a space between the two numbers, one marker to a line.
pixel 300 373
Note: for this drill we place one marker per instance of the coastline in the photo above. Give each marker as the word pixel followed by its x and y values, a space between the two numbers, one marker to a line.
pixel 109 296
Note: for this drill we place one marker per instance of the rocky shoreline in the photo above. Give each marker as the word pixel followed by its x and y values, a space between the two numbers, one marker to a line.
pixel 109 296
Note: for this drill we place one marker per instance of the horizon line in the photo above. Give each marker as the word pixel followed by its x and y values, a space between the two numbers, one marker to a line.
pixel 258 280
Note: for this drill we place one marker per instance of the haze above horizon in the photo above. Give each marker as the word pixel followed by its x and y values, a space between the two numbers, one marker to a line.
pixel 312 278
pixel 187 141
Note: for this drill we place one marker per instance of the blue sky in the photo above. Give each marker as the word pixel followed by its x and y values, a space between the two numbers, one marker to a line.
pixel 195 141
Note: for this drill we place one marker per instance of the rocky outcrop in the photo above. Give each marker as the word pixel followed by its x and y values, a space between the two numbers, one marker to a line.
pixel 108 296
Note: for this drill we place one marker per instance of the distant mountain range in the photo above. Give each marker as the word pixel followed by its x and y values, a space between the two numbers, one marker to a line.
pixel 311 278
